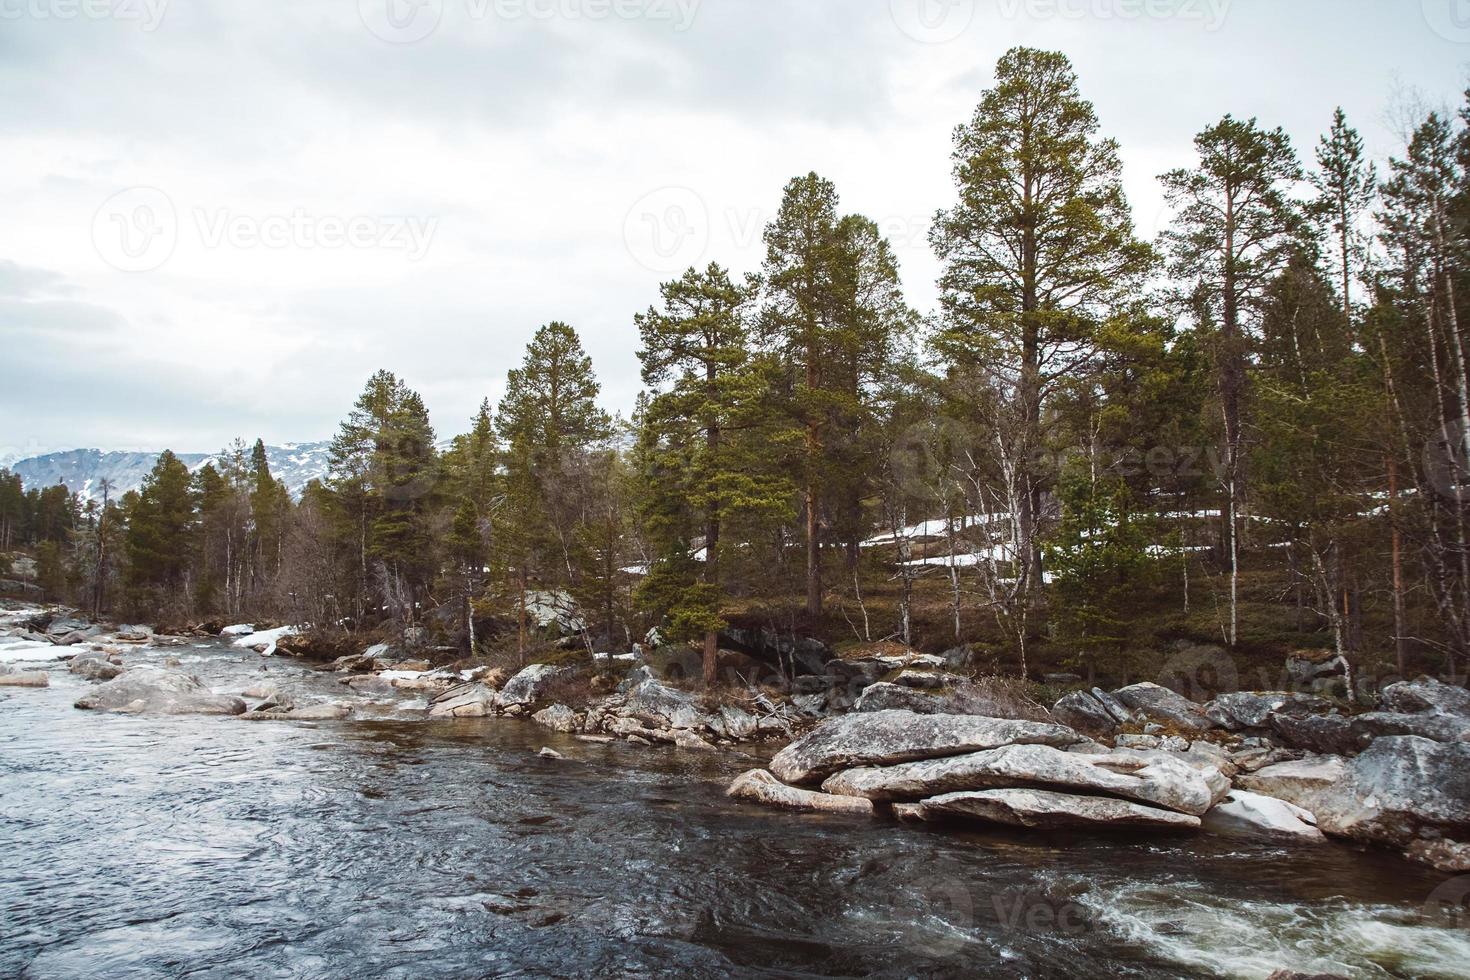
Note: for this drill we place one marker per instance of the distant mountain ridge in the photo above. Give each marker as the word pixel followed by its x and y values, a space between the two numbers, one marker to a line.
pixel 82 470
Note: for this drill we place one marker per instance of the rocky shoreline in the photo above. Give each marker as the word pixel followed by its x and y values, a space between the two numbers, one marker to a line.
pixel 897 734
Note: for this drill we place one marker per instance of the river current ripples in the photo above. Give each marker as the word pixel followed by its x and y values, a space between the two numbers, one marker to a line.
pixel 400 847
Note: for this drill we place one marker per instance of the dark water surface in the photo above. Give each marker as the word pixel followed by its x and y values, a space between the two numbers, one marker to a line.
pixel 215 847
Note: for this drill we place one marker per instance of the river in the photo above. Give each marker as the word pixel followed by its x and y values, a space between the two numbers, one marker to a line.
pixel 398 847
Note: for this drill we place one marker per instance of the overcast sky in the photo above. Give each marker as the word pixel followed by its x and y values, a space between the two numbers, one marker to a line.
pixel 217 218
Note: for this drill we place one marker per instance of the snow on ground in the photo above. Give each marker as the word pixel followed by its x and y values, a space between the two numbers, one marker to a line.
pixel 243 629
pixel 265 638
pixel 16 650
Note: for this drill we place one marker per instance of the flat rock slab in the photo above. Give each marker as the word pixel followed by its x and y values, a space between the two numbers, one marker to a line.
pixel 759 786
pixel 882 738
pixel 1160 781
pixel 1038 809
pixel 25 678
pixel 153 690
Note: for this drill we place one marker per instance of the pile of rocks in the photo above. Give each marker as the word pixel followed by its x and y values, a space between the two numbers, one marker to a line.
pixel 1275 764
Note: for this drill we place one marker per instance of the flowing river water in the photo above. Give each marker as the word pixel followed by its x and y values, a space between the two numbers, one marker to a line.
pixel 399 847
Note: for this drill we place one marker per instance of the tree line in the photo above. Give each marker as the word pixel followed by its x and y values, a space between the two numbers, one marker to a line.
pixel 1267 406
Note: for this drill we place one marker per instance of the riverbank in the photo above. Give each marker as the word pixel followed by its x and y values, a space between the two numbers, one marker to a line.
pixel 396 843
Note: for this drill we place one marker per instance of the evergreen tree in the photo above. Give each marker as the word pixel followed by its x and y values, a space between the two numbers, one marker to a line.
pixel 704 467
pixel 1038 251
pixel 160 535
pixel 1235 229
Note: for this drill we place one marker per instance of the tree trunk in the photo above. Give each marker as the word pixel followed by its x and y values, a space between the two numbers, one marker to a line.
pixel 1400 638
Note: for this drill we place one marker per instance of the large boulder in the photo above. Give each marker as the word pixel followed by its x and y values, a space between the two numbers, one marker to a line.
pixel 1305 782
pixel 465 701
pixel 68 624
pixel 1161 781
pixel 310 712
pixel 1340 735
pixel 1245 814
pixel 759 786
pixel 1426 695
pixel 1249 709
pixel 1322 734
pixel 1085 713
pixel 1399 789
pixel 1163 705
pixel 1433 726
pixel 784 653
pixel 888 737
pixel 155 690
pixel 659 706
pixel 1045 810
pixel 558 718
pixel 528 687
pixel 963 698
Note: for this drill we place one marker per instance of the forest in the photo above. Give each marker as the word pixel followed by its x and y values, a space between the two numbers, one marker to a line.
pixel 1251 432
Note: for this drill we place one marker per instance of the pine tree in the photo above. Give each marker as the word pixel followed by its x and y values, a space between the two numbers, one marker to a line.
pixel 1235 229
pixel 1038 251
pixel 697 443
pixel 1347 185
pixel 548 419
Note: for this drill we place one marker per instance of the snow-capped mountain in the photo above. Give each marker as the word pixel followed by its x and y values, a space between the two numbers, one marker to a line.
pixel 82 470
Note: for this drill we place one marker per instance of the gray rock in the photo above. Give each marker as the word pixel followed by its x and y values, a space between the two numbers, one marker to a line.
pixel 1426 695
pixel 67 624
pixel 928 679
pixel 23 678
pixel 889 737
pixel 1046 810
pixel 153 690
pixel 310 712
pixel 635 677
pixel 658 706
pixel 1306 782
pixel 1248 709
pixel 528 687
pixel 1161 704
pixel 1317 672
pixel 1400 788
pixel 964 698
pixel 1160 781
pixel 759 786
pixel 1324 734
pixel 94 669
pixel 558 718
pixel 1086 714
pixel 736 723
pixel 1245 814
pixel 1120 712
pixel 550 753
pixel 472 700
pixel 1436 727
